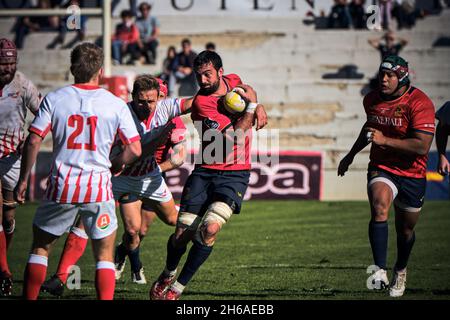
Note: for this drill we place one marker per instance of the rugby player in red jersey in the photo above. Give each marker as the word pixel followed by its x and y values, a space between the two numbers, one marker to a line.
pixel 400 126
pixel 216 187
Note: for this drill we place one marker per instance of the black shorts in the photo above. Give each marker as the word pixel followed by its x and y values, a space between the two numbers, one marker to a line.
pixel 409 193
pixel 205 186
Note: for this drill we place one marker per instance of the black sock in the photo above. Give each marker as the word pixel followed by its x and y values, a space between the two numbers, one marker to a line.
pixel 378 236
pixel 197 256
pixel 404 247
pixel 135 261
pixel 174 255
pixel 121 253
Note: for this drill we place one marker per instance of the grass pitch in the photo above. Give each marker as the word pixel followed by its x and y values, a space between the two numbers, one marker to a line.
pixel 276 250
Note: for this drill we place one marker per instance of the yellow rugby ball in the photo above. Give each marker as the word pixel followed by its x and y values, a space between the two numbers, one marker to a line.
pixel 233 102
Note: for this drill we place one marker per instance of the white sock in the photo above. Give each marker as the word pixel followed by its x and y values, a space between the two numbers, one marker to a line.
pixel 177 286
pixel 169 273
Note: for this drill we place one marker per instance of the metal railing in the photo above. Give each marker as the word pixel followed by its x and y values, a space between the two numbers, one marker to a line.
pixel 104 12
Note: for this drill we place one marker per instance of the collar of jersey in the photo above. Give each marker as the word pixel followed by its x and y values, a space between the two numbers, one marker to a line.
pixel 396 99
pixel 85 86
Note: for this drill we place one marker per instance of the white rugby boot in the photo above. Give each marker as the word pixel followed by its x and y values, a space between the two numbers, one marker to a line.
pixel 398 284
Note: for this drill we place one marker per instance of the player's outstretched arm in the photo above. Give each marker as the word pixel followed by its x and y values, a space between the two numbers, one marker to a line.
pixel 30 152
pixel 360 143
pixel 442 133
pixel 131 152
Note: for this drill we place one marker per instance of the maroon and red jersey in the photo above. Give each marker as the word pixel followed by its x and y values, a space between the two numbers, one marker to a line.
pixel 175 136
pixel 397 119
pixel 207 110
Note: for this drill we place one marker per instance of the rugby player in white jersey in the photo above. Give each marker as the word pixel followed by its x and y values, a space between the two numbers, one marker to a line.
pixel 84 120
pixel 17 96
pixel 139 185
pixel 168 156
pixel 142 183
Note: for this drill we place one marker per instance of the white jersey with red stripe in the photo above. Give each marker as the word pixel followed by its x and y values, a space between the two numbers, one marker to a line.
pixel 150 129
pixel 15 98
pixel 84 121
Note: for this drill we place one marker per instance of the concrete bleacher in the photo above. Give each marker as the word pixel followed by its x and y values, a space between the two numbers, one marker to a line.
pixel 284 60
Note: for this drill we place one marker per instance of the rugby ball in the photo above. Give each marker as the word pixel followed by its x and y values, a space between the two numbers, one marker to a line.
pixel 233 102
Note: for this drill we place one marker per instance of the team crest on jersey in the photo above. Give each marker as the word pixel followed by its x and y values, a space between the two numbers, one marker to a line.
pixel 211 123
pixel 13 95
pixel 398 112
pixel 103 221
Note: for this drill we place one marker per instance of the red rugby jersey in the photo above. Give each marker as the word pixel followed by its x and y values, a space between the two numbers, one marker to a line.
pixel 397 119
pixel 215 128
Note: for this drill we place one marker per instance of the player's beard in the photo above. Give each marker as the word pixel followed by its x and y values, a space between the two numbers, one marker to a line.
pixel 211 89
pixel 7 77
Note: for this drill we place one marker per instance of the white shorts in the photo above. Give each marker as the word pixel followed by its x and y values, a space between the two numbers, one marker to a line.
pixel 99 218
pixel 152 186
pixel 10 171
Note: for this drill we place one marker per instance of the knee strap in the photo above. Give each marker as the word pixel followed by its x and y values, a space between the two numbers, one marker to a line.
pixel 188 220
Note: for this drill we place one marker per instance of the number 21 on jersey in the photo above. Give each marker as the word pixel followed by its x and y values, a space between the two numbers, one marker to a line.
pixel 80 124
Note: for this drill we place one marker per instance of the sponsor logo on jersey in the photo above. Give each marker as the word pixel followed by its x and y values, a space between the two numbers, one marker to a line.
pixel 398 112
pixel 211 123
pixel 395 122
pixel 13 95
pixel 103 221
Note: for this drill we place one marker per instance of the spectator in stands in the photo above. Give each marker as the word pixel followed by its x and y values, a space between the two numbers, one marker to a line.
pixel 184 73
pixel 36 23
pixel 390 47
pixel 68 24
pixel 358 14
pixel 386 8
pixel 169 66
pixel 339 17
pixel 210 46
pixel 148 26
pixel 406 13
pixel 126 39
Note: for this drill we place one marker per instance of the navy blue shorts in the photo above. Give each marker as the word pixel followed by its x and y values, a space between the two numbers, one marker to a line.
pixel 409 193
pixel 205 186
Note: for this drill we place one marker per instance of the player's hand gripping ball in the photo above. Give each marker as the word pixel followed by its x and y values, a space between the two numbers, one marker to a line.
pixel 233 102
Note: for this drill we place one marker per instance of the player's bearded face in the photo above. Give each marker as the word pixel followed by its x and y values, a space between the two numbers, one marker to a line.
pixel 208 78
pixel 388 82
pixel 7 72
pixel 145 103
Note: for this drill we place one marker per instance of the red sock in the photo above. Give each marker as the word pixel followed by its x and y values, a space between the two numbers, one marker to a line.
pixel 3 258
pixel 35 273
pixel 105 281
pixel 73 250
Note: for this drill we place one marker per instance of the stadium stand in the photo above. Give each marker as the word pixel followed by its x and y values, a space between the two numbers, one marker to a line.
pixel 284 60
